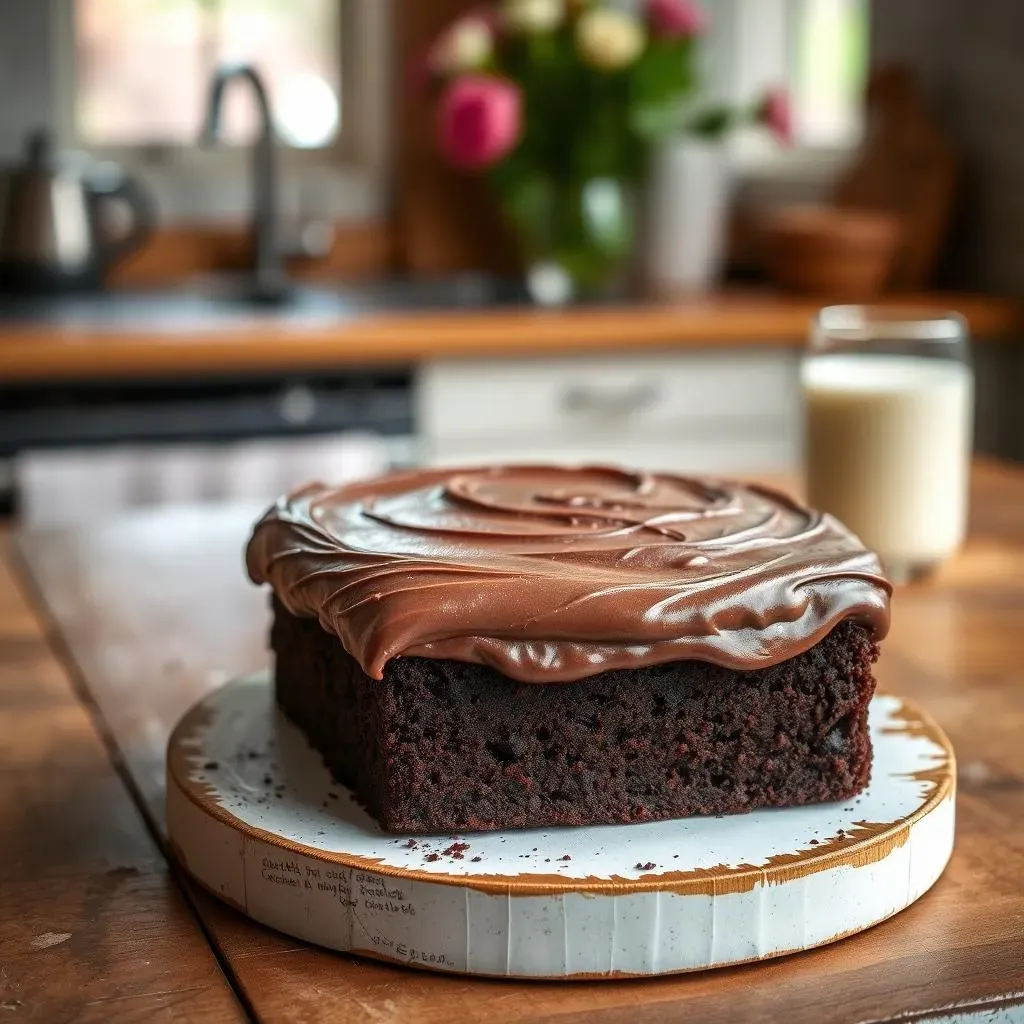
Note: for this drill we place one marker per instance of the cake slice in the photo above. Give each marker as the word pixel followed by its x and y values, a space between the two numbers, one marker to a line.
pixel 525 647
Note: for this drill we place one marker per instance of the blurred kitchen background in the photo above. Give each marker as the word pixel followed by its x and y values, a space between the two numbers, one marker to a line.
pixel 235 253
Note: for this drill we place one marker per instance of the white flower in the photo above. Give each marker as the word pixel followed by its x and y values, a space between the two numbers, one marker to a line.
pixel 464 46
pixel 533 15
pixel 609 39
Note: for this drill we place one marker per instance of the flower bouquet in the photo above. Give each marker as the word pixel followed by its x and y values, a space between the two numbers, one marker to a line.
pixel 559 102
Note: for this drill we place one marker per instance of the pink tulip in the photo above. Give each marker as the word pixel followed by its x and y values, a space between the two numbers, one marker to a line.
pixel 479 120
pixel 675 19
pixel 776 114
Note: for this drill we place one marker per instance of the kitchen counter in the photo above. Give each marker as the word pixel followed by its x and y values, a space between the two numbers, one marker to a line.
pixel 148 615
pixel 123 337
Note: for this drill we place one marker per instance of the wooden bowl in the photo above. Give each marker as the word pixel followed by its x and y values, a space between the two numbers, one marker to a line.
pixel 831 252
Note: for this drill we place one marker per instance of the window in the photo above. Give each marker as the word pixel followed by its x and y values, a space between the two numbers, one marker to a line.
pixel 143 67
pixel 818 48
pixel 828 72
pixel 130 79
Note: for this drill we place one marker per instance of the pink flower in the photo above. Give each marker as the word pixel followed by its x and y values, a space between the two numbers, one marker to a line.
pixel 479 120
pixel 776 115
pixel 675 19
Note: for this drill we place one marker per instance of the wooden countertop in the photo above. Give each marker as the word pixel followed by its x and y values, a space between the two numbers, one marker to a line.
pixel 269 343
pixel 148 614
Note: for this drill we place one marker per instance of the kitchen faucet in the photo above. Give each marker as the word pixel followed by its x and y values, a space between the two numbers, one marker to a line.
pixel 270 282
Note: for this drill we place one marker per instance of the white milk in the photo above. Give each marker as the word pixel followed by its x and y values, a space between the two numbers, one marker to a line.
pixel 888 451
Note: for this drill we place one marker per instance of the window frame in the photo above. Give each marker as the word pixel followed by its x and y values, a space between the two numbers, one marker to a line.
pixel 347 174
pixel 742 65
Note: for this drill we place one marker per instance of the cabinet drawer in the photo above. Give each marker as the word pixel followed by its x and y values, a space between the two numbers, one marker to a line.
pixel 576 397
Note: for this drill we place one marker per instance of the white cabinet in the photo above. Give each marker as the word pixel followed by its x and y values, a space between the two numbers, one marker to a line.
pixel 709 412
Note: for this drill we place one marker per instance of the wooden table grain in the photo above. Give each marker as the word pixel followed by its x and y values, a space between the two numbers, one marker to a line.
pixel 93 927
pixel 150 613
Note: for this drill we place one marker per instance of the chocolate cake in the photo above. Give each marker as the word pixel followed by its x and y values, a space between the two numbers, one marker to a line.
pixel 517 647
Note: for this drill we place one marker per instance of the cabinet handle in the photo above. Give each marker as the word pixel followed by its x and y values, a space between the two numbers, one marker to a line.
pixel 583 398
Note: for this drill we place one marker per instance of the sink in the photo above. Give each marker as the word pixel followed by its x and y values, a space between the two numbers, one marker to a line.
pixel 224 301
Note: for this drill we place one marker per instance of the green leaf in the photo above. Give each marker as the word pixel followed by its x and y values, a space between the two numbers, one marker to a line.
pixel 712 122
pixel 528 200
pixel 664 72
pixel 661 89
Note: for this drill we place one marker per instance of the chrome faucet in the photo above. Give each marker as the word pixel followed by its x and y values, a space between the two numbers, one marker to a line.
pixel 270 282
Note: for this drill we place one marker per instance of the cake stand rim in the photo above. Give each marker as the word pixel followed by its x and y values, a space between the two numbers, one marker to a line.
pixel 715 880
pixel 582 976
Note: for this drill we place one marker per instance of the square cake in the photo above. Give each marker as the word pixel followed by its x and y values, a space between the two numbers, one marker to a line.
pixel 522 647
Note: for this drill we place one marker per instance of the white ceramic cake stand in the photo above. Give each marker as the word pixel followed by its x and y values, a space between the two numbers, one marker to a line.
pixel 255 817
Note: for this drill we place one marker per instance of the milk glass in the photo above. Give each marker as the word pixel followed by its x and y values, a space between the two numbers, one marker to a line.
pixel 889 398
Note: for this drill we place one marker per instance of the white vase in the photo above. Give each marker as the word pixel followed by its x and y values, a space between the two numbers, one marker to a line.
pixel 687 203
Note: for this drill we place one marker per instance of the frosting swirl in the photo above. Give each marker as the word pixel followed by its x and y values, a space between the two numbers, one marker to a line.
pixel 551 574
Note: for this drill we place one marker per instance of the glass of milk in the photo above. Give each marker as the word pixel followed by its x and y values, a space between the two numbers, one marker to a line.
pixel 889 398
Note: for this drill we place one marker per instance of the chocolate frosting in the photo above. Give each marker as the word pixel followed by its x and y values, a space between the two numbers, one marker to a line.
pixel 551 574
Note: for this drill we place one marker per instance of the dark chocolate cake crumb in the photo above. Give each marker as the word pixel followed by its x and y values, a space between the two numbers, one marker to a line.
pixel 648 866
pixel 565 856
pixel 438 746
pixel 476 858
pixel 432 857
pixel 410 844
pixel 456 850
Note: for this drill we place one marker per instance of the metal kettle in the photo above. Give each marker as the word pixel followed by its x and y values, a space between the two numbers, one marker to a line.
pixel 55 233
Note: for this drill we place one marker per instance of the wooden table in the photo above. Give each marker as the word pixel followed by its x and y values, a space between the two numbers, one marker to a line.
pixel 141 617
